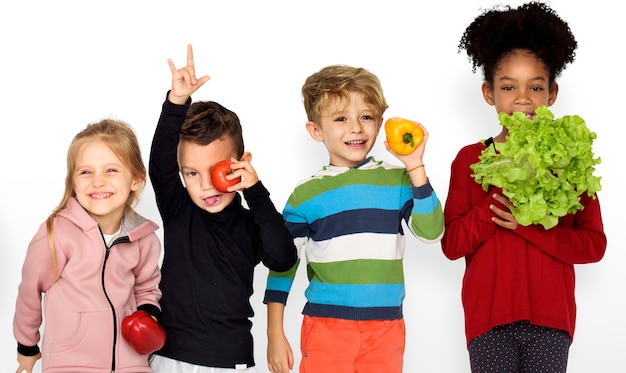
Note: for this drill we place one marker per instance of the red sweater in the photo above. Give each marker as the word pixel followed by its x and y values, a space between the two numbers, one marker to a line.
pixel 525 274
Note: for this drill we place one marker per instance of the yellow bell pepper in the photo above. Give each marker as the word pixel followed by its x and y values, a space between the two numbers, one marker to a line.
pixel 403 136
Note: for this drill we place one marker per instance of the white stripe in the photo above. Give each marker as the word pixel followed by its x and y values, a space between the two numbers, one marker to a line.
pixel 356 246
pixel 425 240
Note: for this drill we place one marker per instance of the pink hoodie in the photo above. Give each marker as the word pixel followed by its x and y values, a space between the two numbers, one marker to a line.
pixel 84 307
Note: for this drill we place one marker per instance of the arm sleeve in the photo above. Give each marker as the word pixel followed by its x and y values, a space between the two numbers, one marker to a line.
pixel 426 219
pixel 577 239
pixel 279 283
pixel 467 215
pixel 276 246
pixel 163 164
pixel 37 277
pixel 148 276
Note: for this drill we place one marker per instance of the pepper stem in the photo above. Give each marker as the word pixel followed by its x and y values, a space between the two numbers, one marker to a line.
pixel 407 138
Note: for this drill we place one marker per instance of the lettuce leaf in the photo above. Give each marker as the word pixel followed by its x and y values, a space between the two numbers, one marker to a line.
pixel 543 167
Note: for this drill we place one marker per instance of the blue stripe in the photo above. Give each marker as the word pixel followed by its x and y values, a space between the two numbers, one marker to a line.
pixel 351 197
pixel 354 222
pixel 371 295
pixel 298 229
pixel 426 205
pixel 353 313
pixel 279 283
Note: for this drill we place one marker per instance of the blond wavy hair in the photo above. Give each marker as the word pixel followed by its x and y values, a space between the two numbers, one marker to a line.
pixel 337 82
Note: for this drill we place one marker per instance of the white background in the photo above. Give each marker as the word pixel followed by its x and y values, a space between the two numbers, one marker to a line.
pixel 66 64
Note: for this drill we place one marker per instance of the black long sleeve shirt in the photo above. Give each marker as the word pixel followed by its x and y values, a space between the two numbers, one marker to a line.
pixel 209 259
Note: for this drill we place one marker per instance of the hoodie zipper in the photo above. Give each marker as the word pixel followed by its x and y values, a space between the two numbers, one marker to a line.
pixel 106 257
pixel 104 289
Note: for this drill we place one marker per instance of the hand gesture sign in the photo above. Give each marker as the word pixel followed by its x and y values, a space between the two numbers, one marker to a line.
pixel 184 81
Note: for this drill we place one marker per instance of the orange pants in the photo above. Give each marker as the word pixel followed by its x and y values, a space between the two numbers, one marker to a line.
pixel 349 346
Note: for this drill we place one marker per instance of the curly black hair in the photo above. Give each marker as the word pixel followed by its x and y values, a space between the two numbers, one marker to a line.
pixel 533 26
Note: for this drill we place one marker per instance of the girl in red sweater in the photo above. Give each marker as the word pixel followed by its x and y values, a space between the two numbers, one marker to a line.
pixel 518 287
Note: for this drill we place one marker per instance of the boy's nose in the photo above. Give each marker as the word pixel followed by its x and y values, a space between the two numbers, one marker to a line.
pixel 356 127
pixel 205 182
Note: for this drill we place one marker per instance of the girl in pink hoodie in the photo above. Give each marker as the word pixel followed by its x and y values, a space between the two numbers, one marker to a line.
pixel 96 261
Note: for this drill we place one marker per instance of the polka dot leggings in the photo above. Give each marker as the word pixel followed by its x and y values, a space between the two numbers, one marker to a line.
pixel 520 348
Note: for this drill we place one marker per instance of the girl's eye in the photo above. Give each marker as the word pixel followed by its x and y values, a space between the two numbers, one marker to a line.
pixel 508 88
pixel 84 172
pixel 111 170
pixel 340 119
pixel 191 173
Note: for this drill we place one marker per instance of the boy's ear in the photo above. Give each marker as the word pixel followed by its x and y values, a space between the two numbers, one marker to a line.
pixel 314 131
pixel 246 157
pixel 488 93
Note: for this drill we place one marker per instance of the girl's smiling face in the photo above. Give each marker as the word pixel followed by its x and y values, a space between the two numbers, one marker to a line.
pixel 103 183
pixel 520 83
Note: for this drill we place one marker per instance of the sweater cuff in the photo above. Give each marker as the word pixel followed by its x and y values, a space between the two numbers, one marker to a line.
pixel 27 350
pixel 256 195
pixel 256 189
pixel 275 296
pixel 423 191
pixel 171 104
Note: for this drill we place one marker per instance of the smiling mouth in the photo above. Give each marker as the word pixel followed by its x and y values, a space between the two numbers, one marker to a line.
pixel 355 142
pixel 100 195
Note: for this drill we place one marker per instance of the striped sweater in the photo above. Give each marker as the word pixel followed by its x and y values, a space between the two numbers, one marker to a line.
pixel 347 227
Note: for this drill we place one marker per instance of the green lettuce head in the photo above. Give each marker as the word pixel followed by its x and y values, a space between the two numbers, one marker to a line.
pixel 543 167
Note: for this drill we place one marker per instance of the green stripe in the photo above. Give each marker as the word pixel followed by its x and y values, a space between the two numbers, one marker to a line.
pixel 360 271
pixel 291 273
pixel 429 226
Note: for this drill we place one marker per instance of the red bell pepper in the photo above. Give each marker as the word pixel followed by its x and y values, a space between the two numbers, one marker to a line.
pixel 143 332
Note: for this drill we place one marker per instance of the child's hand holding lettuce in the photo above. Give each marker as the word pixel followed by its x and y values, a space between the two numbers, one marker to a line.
pixel 543 167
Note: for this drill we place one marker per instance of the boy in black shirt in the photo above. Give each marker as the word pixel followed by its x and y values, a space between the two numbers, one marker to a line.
pixel 212 243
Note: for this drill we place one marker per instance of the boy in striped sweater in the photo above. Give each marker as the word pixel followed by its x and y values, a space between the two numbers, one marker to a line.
pixel 346 221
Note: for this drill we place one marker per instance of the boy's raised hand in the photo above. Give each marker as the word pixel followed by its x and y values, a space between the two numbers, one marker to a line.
pixel 184 81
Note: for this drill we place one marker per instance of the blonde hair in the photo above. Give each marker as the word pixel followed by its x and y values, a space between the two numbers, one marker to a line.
pixel 338 81
pixel 121 139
